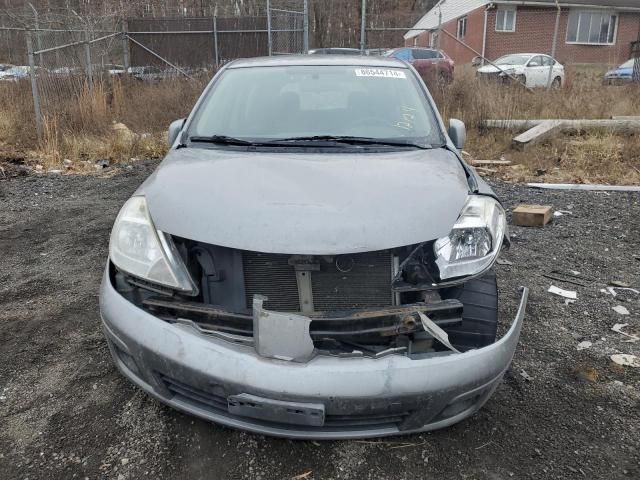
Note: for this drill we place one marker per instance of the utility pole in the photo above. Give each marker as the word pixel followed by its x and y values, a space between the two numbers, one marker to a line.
pixel 125 47
pixel 87 53
pixel 636 58
pixel 34 85
pixel 553 46
pixel 216 53
pixel 305 20
pixel 269 38
pixel 439 29
pixel 37 30
pixel 363 24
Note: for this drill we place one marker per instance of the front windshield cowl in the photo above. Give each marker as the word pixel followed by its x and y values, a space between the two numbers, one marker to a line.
pixel 348 105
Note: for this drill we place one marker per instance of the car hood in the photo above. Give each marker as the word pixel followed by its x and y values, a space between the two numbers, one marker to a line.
pixel 492 69
pixel 306 203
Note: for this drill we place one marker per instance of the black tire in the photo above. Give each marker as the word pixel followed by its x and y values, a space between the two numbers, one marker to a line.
pixel 557 82
pixel 479 315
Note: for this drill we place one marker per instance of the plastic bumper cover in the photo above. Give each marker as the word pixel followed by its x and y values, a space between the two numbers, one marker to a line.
pixel 361 397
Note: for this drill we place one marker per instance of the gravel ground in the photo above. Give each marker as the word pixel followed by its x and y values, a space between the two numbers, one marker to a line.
pixel 65 412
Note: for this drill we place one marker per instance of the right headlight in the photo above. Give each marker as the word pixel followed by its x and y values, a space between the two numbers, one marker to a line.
pixel 474 241
pixel 139 249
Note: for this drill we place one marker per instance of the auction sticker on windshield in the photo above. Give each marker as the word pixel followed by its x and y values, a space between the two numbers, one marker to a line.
pixel 380 72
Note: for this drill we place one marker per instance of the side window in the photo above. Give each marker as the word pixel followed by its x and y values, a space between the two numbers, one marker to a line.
pixel 547 61
pixel 424 54
pixel 404 54
pixel 535 62
pixel 462 28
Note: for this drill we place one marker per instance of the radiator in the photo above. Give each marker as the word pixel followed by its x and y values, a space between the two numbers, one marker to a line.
pixel 338 283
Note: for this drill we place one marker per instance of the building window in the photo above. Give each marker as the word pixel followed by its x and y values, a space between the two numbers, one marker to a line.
pixel 506 20
pixel 597 28
pixel 462 28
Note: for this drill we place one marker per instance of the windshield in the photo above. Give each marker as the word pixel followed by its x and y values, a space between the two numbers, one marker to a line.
pixel 273 103
pixel 513 60
pixel 627 64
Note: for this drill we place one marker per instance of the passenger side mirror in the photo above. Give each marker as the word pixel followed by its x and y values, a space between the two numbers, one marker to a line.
pixel 174 130
pixel 457 133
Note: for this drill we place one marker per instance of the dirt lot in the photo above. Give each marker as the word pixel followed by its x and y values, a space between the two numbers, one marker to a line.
pixel 65 412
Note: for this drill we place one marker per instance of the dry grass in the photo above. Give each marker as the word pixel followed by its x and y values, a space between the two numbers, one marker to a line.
pixel 79 120
pixel 583 96
pixel 597 157
pixel 594 157
pixel 80 123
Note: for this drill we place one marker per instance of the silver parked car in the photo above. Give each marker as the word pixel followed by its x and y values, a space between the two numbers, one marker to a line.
pixel 313 258
pixel 621 75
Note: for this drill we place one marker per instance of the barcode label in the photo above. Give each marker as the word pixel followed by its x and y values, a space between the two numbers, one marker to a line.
pixel 380 72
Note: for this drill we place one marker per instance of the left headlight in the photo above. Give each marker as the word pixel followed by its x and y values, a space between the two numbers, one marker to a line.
pixel 475 240
pixel 139 249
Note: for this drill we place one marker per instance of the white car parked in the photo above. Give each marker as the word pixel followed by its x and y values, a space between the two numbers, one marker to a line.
pixel 13 73
pixel 532 69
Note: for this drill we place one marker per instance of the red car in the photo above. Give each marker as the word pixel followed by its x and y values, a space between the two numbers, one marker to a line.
pixel 430 63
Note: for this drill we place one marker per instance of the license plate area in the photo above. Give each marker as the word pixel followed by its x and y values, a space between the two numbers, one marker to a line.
pixel 246 405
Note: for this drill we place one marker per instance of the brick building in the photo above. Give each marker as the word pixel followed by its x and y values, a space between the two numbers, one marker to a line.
pixel 590 31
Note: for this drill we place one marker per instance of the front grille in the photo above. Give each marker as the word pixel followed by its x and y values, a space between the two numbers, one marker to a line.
pixel 338 283
pixel 217 404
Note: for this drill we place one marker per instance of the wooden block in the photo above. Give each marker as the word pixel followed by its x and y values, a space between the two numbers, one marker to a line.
pixel 490 162
pixel 538 133
pixel 486 170
pixel 531 215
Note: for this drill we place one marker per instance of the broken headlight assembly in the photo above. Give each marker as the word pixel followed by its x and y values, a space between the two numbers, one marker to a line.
pixel 137 248
pixel 474 241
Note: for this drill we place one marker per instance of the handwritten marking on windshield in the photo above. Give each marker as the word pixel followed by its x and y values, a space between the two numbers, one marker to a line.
pixel 406 123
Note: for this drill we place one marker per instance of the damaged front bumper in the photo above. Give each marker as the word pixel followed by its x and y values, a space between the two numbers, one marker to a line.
pixel 326 397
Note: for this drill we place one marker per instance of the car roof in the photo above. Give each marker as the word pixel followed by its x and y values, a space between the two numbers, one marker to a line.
pixel 345 49
pixel 317 60
pixel 527 54
pixel 414 48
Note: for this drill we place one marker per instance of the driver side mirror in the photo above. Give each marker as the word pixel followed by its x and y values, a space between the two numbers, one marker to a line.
pixel 457 133
pixel 534 64
pixel 174 130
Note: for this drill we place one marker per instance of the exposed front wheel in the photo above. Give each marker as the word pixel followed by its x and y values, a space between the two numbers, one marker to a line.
pixel 479 298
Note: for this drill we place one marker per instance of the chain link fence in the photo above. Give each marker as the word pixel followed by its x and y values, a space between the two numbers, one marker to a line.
pixel 287 25
pixel 66 59
pixel 66 65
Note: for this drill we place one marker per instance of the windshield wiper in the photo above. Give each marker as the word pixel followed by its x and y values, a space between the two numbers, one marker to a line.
pixel 222 140
pixel 350 141
pixel 344 139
